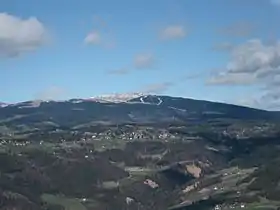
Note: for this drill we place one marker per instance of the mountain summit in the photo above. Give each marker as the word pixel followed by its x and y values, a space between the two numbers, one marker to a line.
pixel 118 97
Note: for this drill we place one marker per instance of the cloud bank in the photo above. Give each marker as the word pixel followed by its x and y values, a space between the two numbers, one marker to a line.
pixel 253 63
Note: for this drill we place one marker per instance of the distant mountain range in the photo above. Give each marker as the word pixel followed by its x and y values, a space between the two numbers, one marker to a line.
pixel 124 109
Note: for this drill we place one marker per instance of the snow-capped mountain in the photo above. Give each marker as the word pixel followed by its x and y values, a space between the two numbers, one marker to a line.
pixel 3 104
pixel 135 108
pixel 108 98
pixel 116 98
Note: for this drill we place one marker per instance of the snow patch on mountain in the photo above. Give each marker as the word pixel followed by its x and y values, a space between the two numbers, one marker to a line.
pixel 116 98
pixel 28 104
pixel 150 99
pixel 108 98
pixel 3 104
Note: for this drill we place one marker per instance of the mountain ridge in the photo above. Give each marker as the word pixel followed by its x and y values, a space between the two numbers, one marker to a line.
pixel 127 98
pixel 148 109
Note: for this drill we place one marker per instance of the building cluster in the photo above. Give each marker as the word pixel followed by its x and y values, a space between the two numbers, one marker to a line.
pixel 231 206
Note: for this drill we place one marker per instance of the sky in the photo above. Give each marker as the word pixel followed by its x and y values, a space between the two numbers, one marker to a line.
pixel 218 50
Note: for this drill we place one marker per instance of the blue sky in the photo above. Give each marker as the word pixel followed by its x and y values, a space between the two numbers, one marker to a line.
pixel 215 50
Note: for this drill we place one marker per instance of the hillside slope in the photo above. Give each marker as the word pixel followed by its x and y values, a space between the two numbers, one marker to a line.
pixel 141 110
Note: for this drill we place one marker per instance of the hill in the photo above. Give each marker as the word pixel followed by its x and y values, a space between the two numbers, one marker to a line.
pixel 145 153
pixel 141 110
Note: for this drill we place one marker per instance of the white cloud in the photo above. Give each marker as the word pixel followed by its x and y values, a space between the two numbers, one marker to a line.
pixel 273 83
pixel 253 61
pixel 232 79
pixel 249 102
pixel 93 38
pixel 102 39
pixel 269 100
pixel 101 34
pixel 51 93
pixel 270 96
pixel 272 101
pixel 173 32
pixel 18 36
pixel 144 61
